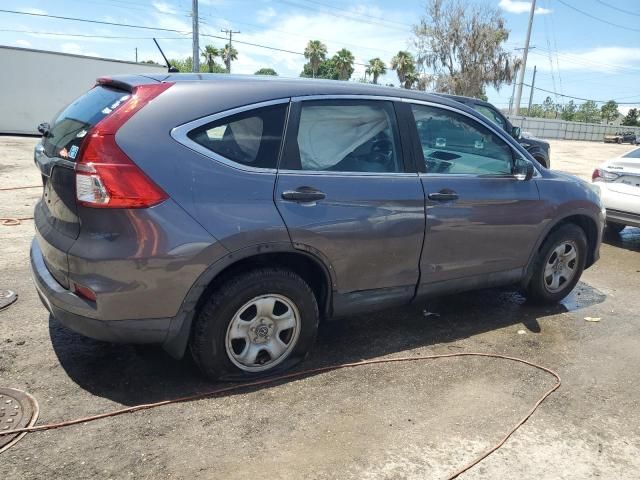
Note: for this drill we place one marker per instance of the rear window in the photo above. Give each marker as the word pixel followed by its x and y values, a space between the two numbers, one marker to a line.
pixel 73 123
pixel 633 154
pixel 250 138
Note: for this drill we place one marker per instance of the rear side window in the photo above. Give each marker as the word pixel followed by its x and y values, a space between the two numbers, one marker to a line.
pixel 346 136
pixel 455 144
pixel 73 123
pixel 250 138
pixel 491 115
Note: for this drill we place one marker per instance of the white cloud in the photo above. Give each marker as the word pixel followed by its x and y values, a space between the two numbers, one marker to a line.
pixel 265 14
pixel 517 6
pixel 624 109
pixel 22 43
pixel 163 7
pixel 37 11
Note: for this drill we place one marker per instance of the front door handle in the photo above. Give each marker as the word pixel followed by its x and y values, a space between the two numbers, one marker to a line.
pixel 443 195
pixel 303 195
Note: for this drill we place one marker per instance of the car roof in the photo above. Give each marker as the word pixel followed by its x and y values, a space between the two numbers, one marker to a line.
pixel 266 85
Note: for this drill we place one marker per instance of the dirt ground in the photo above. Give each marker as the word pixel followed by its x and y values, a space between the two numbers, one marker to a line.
pixel 395 421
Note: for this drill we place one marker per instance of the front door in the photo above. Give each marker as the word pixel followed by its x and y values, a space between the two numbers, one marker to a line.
pixel 345 195
pixel 482 221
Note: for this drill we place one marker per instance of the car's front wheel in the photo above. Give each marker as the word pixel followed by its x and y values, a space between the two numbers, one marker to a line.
pixel 256 324
pixel 558 265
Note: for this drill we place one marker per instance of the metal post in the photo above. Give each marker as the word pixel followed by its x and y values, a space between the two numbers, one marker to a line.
pixel 524 59
pixel 227 60
pixel 513 93
pixel 533 84
pixel 195 59
pixel 136 54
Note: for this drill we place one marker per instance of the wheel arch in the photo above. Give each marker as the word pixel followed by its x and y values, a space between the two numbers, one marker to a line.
pixel 310 266
pixel 583 220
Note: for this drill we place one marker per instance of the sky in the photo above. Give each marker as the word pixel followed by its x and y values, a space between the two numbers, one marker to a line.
pixel 593 53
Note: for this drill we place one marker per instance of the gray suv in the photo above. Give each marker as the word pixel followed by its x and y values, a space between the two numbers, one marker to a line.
pixel 230 215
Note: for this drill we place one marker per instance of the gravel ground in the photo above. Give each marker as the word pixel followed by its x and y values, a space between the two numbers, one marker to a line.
pixel 397 421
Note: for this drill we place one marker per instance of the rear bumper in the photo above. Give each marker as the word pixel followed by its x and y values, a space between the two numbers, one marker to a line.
pixel 79 315
pixel 624 218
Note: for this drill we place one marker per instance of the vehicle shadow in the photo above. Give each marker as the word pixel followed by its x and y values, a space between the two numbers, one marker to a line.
pixel 133 375
pixel 628 239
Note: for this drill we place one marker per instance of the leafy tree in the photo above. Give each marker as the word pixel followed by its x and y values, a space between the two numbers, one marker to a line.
pixel 228 54
pixel 411 79
pixel 315 52
pixel 536 110
pixel 568 111
pixel 609 111
pixel 376 68
pixel 326 69
pixel 631 119
pixel 343 61
pixel 588 112
pixel 549 108
pixel 463 44
pixel 186 65
pixel 403 63
pixel 266 71
pixel 209 54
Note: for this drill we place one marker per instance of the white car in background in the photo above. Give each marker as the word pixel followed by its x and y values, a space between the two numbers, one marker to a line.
pixel 619 181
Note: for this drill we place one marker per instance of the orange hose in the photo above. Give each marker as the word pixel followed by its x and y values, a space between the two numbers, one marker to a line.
pixel 217 391
pixel 19 188
pixel 12 222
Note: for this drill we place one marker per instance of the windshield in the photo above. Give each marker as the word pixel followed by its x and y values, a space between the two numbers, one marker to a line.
pixel 72 124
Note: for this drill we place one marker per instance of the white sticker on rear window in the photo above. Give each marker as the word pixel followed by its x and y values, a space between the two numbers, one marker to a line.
pixel 73 151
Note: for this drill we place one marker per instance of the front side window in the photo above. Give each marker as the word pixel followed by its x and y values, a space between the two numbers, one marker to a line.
pixel 456 144
pixel 250 138
pixel 345 136
pixel 491 114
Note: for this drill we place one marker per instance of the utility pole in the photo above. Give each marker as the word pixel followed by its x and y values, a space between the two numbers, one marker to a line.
pixel 136 54
pixel 524 59
pixel 227 60
pixel 533 84
pixel 513 92
pixel 195 59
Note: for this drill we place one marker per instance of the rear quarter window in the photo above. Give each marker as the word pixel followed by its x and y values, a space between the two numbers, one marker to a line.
pixel 250 138
pixel 73 123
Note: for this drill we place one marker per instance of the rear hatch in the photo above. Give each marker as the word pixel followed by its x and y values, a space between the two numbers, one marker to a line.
pixel 57 222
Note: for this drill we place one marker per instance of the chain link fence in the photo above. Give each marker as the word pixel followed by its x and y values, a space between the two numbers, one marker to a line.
pixel 563 130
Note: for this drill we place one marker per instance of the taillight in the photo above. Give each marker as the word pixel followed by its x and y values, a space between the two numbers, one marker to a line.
pixel 601 175
pixel 105 176
pixel 595 175
pixel 84 292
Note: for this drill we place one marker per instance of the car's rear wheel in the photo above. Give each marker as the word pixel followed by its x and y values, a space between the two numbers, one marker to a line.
pixel 558 265
pixel 256 324
pixel 615 228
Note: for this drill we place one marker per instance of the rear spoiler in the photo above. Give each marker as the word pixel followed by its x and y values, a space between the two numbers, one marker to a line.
pixel 125 82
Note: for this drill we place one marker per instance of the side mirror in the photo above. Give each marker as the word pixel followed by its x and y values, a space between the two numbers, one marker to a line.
pixel 44 128
pixel 515 132
pixel 523 169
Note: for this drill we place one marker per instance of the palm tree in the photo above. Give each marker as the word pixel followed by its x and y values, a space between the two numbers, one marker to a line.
pixel 343 60
pixel 403 63
pixel 228 54
pixel 376 68
pixel 315 52
pixel 410 79
pixel 209 54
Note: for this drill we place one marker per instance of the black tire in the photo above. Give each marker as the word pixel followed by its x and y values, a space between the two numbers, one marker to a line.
pixel 614 228
pixel 540 160
pixel 208 338
pixel 537 290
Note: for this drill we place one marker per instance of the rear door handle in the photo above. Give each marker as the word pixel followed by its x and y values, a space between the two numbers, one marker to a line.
pixel 443 195
pixel 303 195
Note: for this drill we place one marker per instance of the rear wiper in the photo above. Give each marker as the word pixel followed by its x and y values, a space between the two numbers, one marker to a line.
pixel 45 129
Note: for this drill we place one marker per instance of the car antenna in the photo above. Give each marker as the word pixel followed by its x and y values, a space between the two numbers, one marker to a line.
pixel 171 68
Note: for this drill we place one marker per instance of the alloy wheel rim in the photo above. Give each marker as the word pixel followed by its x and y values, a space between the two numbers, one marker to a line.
pixel 262 333
pixel 560 267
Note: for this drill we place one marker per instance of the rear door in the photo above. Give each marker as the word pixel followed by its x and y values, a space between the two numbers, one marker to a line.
pixel 346 195
pixel 482 222
pixel 55 215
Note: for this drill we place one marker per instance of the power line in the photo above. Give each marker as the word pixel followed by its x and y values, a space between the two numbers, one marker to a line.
pixel 63 34
pixel 579 98
pixel 126 25
pixel 598 18
pixel 628 12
